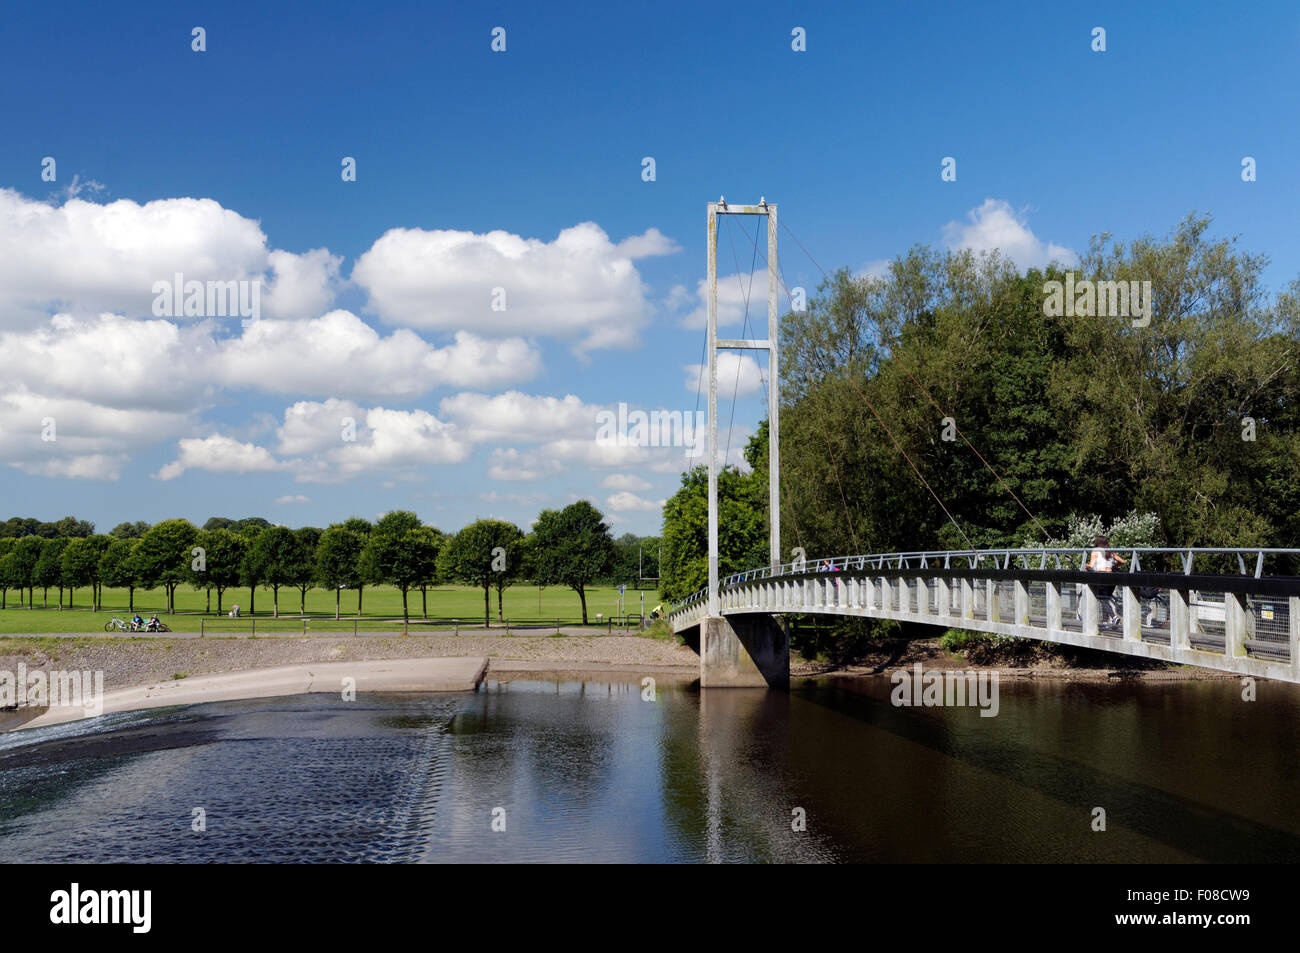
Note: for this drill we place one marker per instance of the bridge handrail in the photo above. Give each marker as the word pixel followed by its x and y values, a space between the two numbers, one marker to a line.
pixel 1001 559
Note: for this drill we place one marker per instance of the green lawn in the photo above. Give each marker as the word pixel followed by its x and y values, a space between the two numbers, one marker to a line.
pixel 521 605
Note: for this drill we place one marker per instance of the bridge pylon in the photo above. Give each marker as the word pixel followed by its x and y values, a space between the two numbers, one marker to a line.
pixel 760 655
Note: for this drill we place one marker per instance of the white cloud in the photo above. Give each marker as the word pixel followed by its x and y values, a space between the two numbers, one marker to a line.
pixel 299 498
pixel 738 373
pixel 219 454
pixel 622 502
pixel 340 353
pixel 85 257
pixel 732 290
pixel 624 481
pixel 303 285
pixel 995 224
pixel 580 286
pixel 516 416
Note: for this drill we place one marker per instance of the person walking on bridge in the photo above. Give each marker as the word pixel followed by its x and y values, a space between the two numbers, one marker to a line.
pixel 1102 559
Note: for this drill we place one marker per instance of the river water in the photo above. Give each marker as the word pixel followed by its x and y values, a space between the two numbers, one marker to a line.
pixel 593 771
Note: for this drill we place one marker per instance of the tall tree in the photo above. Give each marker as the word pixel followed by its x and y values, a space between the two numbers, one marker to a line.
pixel 479 553
pixel 302 570
pixel 224 552
pixel 273 560
pixel 573 548
pixel 163 557
pixel 401 561
pixel 81 565
pixel 117 568
pixel 49 568
pixel 338 558
pixel 25 555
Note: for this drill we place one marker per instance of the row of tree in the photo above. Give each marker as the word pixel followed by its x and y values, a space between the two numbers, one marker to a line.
pixel 570 547
pixel 895 387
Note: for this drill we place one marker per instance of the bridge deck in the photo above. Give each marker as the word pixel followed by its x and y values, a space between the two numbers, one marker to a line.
pixel 1233 623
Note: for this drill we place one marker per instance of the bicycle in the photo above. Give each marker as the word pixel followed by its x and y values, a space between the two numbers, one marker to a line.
pixel 115 624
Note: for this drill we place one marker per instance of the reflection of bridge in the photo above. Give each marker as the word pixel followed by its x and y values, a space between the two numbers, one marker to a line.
pixel 1178 609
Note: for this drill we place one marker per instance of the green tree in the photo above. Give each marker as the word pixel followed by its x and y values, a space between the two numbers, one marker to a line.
pixel 129 530
pixel 25 555
pixel 117 568
pixel 478 554
pixel 49 568
pixel 273 561
pixel 338 558
pixel 81 565
pixel 302 569
pixel 573 547
pixel 7 544
pixel 402 561
pixel 223 558
pixel 163 557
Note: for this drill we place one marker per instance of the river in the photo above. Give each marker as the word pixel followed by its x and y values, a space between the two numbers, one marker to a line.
pixel 597 771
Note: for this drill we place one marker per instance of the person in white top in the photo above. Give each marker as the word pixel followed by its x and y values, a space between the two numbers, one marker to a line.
pixel 1102 559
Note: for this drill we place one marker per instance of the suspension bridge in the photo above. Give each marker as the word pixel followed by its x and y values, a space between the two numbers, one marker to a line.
pixel 1229 609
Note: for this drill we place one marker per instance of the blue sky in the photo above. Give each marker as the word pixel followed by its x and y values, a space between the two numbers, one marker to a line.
pixel 185 417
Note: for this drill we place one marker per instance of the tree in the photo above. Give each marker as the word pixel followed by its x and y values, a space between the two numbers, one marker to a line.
pixel 129 530
pixel 479 553
pixel 403 561
pixel 49 568
pixel 7 544
pixel 573 548
pixel 273 560
pixel 81 565
pixel 302 569
pixel 434 539
pixel 26 553
pixel 397 523
pixel 163 557
pixel 219 522
pixel 224 553
pixel 117 568
pixel 338 557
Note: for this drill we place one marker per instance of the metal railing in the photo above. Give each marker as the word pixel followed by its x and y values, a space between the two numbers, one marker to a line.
pixel 1250 561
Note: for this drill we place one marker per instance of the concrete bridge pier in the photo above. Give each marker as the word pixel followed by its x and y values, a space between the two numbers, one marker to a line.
pixel 744 651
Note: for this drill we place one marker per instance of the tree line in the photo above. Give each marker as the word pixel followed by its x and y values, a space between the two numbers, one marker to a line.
pixel 1192 420
pixel 572 547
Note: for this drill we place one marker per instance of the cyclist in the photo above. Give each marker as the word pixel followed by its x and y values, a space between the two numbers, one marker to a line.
pixel 137 622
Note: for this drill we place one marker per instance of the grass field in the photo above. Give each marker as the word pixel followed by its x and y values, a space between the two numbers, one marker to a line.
pixel 521 604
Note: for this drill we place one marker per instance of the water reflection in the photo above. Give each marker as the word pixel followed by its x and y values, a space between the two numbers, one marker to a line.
pixel 592 771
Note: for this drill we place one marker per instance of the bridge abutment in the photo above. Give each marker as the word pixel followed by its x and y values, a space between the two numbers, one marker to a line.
pixel 744 651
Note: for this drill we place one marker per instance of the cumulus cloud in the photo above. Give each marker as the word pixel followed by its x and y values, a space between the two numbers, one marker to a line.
pixel 219 454
pixel 995 224
pixel 580 286
pixel 303 285
pixel 624 481
pixel 736 372
pixel 299 498
pixel 732 291
pixel 622 502
pixel 340 353
pixel 85 257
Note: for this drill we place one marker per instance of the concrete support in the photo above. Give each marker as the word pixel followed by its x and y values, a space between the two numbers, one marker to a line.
pixel 991 611
pixel 922 597
pixel 967 599
pixel 1053 621
pixel 1180 621
pixel 1022 603
pixel 1234 624
pixel 1132 614
pixel 944 596
pixel 1090 611
pixel 744 651
pixel 1293 605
